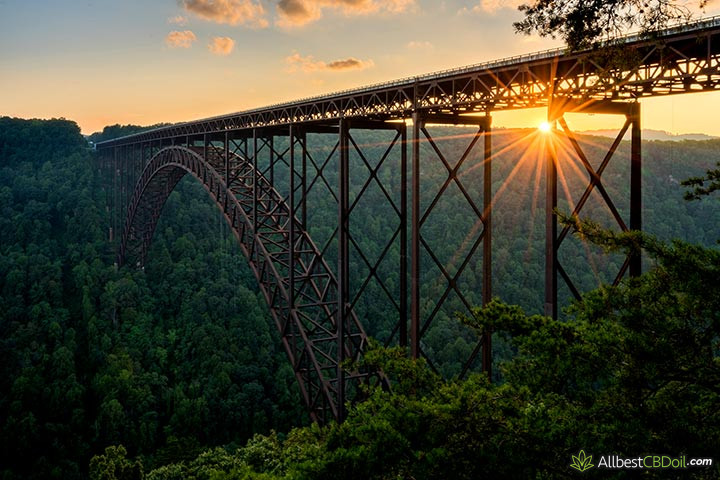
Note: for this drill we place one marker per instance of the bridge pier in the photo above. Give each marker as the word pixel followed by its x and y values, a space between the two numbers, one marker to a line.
pixel 421 135
pixel 315 313
pixel 343 269
pixel 358 170
pixel 556 115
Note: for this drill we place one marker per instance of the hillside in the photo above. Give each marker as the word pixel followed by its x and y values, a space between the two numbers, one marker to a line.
pixel 90 356
pixel 650 134
pixel 181 356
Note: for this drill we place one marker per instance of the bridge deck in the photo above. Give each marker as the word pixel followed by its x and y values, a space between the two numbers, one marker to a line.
pixel 678 60
pixel 681 60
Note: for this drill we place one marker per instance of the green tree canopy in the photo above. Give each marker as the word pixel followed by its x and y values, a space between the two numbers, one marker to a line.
pixel 581 23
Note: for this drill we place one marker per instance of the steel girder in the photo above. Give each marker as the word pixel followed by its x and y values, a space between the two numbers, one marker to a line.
pixel 299 287
pixel 553 239
pixel 241 159
pixel 481 215
pixel 675 61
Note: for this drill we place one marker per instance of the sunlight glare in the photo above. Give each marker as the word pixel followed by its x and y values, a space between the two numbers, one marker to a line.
pixel 545 127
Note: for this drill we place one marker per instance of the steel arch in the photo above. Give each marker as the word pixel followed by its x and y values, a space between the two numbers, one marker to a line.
pixel 301 291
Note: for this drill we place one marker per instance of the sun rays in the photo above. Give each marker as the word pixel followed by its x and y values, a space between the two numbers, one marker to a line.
pixel 519 158
pixel 521 155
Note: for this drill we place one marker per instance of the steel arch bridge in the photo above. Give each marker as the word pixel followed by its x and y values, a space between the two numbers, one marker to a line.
pixel 264 168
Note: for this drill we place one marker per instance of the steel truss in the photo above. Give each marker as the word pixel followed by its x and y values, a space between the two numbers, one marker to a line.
pixel 553 240
pixel 675 61
pixel 300 288
pixel 263 168
pixel 481 214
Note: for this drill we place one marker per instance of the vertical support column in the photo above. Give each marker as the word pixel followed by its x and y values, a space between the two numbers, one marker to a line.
pixel 255 182
pixel 113 227
pixel 403 240
pixel 122 183
pixel 343 261
pixel 205 147
pixel 127 171
pixel 550 227
pixel 635 184
pixel 226 150
pixel 271 144
pixel 303 180
pixel 415 241
pixel 487 241
pixel 291 227
pixel 138 166
pixel 129 175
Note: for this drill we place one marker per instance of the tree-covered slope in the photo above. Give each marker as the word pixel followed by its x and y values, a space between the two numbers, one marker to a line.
pixel 165 360
pixel 182 356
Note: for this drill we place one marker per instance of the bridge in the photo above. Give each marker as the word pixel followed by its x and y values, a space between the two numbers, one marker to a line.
pixel 269 169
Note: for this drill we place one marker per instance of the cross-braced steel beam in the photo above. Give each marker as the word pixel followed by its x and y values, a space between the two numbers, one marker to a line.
pixel 421 319
pixel 553 239
pixel 679 60
pixel 273 170
pixel 298 285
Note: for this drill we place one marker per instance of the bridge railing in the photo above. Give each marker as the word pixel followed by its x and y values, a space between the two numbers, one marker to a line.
pixel 407 82
pixel 701 24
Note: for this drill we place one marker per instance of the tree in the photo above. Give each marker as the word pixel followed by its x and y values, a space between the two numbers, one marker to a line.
pixel 712 178
pixel 581 24
pixel 637 368
pixel 114 466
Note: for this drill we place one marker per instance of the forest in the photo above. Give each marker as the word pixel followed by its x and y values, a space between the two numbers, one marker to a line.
pixel 175 371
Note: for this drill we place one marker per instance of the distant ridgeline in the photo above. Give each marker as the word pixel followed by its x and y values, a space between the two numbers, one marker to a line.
pixel 38 140
pixel 650 134
pixel 182 355
pixel 117 130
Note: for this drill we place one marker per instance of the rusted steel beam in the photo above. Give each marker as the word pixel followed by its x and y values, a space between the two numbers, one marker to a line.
pixel 676 61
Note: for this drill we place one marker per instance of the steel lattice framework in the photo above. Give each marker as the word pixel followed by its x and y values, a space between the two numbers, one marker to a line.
pixel 260 168
pixel 297 283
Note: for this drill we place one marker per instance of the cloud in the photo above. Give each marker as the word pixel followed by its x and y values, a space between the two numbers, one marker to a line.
pixel 182 39
pixel 306 64
pixel 309 64
pixel 221 45
pixel 492 6
pixel 178 20
pixel 295 13
pixel 419 45
pixel 349 64
pixel 233 12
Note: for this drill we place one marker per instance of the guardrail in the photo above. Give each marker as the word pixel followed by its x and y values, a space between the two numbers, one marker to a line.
pixel 700 24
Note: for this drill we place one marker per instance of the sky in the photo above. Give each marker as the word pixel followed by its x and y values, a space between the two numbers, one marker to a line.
pixel 102 62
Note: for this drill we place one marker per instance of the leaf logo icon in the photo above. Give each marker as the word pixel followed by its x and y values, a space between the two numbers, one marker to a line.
pixel 581 462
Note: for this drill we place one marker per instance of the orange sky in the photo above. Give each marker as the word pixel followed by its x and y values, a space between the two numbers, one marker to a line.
pixel 102 62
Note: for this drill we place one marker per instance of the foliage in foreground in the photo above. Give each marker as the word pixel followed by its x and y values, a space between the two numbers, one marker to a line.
pixel 635 371
pixel 581 24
